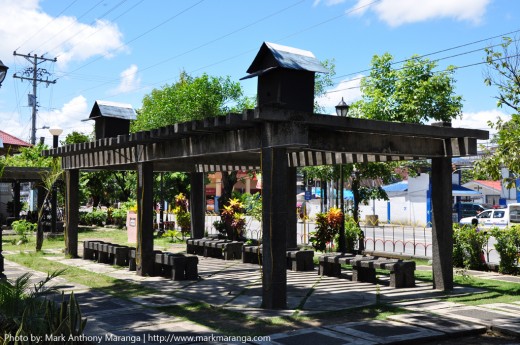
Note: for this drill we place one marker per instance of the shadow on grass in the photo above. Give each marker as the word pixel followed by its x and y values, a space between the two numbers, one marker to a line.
pixel 238 324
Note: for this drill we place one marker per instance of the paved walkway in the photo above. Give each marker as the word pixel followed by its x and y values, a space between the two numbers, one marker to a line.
pixel 237 286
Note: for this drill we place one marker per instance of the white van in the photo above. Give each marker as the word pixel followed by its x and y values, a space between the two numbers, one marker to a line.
pixel 497 217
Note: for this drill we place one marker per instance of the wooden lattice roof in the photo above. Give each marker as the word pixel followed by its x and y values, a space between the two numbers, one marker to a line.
pixel 234 142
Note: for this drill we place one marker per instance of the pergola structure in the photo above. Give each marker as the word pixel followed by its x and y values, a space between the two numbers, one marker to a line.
pixel 277 137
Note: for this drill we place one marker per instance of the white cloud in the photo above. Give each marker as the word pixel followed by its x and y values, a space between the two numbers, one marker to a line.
pixel 26 28
pixel 479 120
pixel 129 81
pixel 68 118
pixel 347 88
pixel 328 2
pixel 399 12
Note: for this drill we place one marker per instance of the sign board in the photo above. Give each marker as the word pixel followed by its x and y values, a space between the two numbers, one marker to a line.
pixel 308 195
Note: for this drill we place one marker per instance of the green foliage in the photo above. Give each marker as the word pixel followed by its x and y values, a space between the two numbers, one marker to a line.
pixel 28 157
pixel 468 247
pixel 253 205
pixel 76 138
pixel 502 72
pixel 174 235
pixel 182 215
pixel 96 217
pixel 412 93
pixel 322 81
pixel 508 247
pixel 327 228
pixel 232 221
pixel 352 234
pixel 504 154
pixel 23 228
pixel 190 98
pixel 24 311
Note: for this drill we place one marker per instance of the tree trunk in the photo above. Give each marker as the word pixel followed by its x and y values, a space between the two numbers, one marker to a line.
pixel 228 181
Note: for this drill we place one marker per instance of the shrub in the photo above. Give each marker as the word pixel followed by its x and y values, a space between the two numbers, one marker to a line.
pixel 232 221
pixel 468 247
pixel 96 217
pixel 327 228
pixel 23 228
pixel 24 311
pixel 508 246
pixel 182 215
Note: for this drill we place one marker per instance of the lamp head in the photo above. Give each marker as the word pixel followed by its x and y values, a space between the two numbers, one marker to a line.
pixel 56 131
pixel 3 72
pixel 342 108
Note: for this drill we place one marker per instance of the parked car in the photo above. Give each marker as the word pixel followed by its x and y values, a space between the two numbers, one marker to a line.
pixel 496 217
pixel 469 209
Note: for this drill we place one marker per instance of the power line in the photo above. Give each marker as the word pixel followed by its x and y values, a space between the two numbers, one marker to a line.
pixel 445 70
pixel 49 23
pixel 35 75
pixel 111 81
pixel 141 35
pixel 436 52
pixel 70 25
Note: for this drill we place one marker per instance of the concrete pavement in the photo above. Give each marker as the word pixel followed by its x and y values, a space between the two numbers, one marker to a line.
pixel 236 286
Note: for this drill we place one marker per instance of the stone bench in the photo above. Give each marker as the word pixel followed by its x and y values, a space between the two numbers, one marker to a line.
pixel 296 260
pixel 329 264
pixel 89 250
pixel 196 245
pixel 176 266
pixel 364 268
pixel 252 254
pixel 300 260
pixel 215 248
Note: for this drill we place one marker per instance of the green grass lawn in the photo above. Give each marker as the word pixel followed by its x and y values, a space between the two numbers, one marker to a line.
pixel 230 322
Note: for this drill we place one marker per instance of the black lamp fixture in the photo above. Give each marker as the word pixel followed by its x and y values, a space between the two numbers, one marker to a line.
pixel 3 72
pixel 342 108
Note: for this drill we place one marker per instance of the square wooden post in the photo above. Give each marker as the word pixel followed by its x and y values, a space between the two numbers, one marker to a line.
pixel 442 224
pixel 197 204
pixel 274 227
pixel 144 256
pixel 292 231
pixel 71 212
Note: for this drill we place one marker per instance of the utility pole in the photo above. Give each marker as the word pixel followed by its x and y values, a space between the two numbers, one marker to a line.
pixel 35 74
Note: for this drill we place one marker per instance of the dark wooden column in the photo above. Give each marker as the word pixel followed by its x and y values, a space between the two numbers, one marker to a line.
pixel 274 227
pixel 292 231
pixel 442 226
pixel 145 213
pixel 197 204
pixel 16 199
pixel 72 212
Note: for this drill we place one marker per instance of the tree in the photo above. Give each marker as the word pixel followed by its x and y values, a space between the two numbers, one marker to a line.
pixel 504 73
pixel 413 93
pixel 190 98
pixel 102 187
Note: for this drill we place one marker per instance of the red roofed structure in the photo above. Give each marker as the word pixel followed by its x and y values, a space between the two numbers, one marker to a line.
pixel 10 143
pixel 491 190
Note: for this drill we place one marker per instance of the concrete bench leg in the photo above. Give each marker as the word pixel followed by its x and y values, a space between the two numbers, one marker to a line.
pixel 363 274
pixel 329 269
pixel 402 277
pixel 121 256
pixel 132 266
pixel 191 269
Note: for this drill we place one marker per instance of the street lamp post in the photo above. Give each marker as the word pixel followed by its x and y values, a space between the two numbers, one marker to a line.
pixel 3 73
pixel 55 134
pixel 342 110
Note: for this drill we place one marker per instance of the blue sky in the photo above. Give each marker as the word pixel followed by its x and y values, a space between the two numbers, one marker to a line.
pixel 119 50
